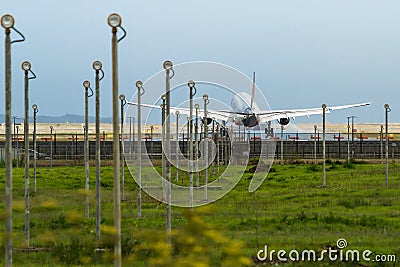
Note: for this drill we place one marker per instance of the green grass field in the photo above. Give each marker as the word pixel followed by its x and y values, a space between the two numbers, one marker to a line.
pixel 290 211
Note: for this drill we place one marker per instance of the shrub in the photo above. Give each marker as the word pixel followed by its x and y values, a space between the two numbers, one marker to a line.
pixel 312 168
pixel 253 161
pixel 349 165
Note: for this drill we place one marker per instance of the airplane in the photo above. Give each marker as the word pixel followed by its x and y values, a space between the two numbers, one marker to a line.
pixel 246 112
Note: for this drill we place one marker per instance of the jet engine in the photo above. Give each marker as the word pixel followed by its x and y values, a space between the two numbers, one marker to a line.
pixel 284 121
pixel 209 120
pixel 250 121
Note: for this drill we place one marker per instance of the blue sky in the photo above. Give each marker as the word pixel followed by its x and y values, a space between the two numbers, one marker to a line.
pixel 305 53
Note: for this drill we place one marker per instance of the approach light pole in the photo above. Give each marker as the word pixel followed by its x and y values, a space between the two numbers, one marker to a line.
pixel 123 103
pixel 196 143
pixel 177 146
pixel 187 142
pixel 348 140
pixel 224 134
pixel 227 145
pixel 114 21
pixel 164 167
pixel 282 128
pixel 212 138
pixel 205 123
pixel 381 143
pixel 167 141
pixel 131 135
pixel 7 22
pixel 97 66
pixel 151 139
pixel 315 144
pixel 323 146
pixel 86 85
pixel 35 111
pixel 17 140
pixel 26 67
pixel 163 158
pixel 139 86
pixel 51 146
pixel 352 135
pixel 191 85
pixel 217 141
pixel 387 110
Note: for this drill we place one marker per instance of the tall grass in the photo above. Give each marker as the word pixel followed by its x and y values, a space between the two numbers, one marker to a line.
pixel 289 211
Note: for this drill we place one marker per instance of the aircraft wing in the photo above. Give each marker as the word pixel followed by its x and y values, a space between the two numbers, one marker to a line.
pixel 219 115
pixel 279 114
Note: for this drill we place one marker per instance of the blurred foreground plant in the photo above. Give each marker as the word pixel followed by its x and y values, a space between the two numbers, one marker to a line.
pixel 196 244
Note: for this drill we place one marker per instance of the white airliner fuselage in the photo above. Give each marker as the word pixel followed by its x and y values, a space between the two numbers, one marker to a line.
pixel 245 113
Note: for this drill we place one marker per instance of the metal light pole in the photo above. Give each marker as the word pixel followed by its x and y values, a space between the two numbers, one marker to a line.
pixel 35 110
pixel 187 141
pixel 139 86
pixel 191 85
pixel 114 21
pixel 348 139
pixel 123 103
pixel 86 85
pixel 227 148
pixel 223 128
pixel 381 143
pixel 323 145
pixel 51 146
pixel 97 66
pixel 212 138
pixel 387 110
pixel 131 137
pixel 163 157
pixel 151 139
pixel 352 135
pixel 205 99
pixel 196 143
pixel 177 146
pixel 217 141
pixel 167 141
pixel 7 22
pixel 339 150
pixel 282 128
pixel 17 140
pixel 55 141
pixel 315 144
pixel 26 67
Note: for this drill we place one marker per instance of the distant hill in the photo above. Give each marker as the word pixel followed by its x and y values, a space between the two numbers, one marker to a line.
pixel 67 118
